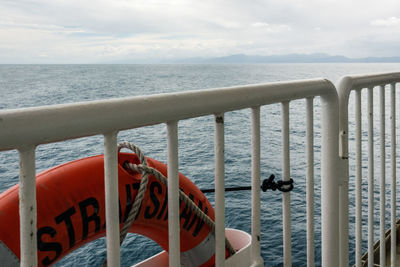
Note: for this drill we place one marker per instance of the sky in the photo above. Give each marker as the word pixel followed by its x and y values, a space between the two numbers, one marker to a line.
pixel 107 31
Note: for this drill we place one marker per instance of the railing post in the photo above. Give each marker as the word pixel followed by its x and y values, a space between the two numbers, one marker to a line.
pixel 256 259
pixel 393 174
pixel 310 182
pixel 27 206
pixel 219 148
pixel 358 115
pixel 173 194
pixel 287 235
pixel 343 177
pixel 382 202
pixel 111 197
pixel 370 178
pixel 330 181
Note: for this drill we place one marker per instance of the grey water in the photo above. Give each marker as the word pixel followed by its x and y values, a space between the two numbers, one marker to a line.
pixel 37 85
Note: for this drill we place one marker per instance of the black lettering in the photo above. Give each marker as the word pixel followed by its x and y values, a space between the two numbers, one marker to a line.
pixel 48 246
pixel 164 206
pixel 136 186
pixel 195 219
pixel 119 211
pixel 186 214
pixel 91 201
pixel 166 216
pixel 154 199
pixel 66 218
pixel 199 224
pixel 129 200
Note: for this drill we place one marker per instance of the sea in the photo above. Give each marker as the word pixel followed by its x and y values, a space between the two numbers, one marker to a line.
pixel 23 86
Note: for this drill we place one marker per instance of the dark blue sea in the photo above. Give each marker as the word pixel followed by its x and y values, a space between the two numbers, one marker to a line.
pixel 38 85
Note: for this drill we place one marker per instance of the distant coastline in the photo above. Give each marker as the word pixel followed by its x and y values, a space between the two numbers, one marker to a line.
pixel 230 59
pixel 289 58
pixel 257 59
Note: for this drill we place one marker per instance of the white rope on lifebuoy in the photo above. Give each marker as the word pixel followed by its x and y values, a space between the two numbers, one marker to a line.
pixel 145 171
pixel 142 189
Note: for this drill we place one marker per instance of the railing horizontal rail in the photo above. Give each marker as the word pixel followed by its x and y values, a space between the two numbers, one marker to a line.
pixel 353 82
pixel 60 122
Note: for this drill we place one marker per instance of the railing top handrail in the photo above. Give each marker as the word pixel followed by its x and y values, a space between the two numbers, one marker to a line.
pixel 353 82
pixel 54 123
pixel 358 81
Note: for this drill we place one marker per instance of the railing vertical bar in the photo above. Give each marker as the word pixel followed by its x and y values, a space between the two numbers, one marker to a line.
pixel 370 177
pixel 111 196
pixel 173 194
pixel 219 147
pixel 27 206
pixel 382 254
pixel 255 189
pixel 358 179
pixel 330 170
pixel 287 243
pixel 393 174
pixel 344 176
pixel 310 182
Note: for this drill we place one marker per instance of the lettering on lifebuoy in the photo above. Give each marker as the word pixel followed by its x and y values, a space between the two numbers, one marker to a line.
pixel 150 212
pixel 48 246
pixel 66 218
pixel 89 210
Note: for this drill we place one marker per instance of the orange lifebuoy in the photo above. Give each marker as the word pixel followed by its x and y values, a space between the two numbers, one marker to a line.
pixel 71 211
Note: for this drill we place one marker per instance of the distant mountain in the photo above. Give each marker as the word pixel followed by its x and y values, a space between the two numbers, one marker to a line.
pixel 289 58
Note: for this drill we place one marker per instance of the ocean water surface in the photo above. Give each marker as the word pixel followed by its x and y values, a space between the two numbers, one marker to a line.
pixel 37 85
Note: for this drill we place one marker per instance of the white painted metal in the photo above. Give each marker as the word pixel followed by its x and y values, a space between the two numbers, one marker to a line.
pixel 393 174
pixel 219 152
pixel 358 180
pixel 344 206
pixel 240 241
pixel 382 188
pixel 61 122
pixel 370 178
pixel 310 182
pixel 111 196
pixel 347 84
pixel 343 181
pixel 329 180
pixel 27 206
pixel 173 194
pixel 256 259
pixel 287 236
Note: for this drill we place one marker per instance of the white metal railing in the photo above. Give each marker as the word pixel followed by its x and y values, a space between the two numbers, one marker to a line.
pixel 61 122
pixel 310 182
pixel 357 83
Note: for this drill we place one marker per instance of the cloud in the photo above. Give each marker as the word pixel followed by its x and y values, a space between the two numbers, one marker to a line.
pixel 389 22
pixel 273 28
pixel 81 31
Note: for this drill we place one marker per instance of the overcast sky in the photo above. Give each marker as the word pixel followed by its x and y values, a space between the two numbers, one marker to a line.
pixel 85 31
